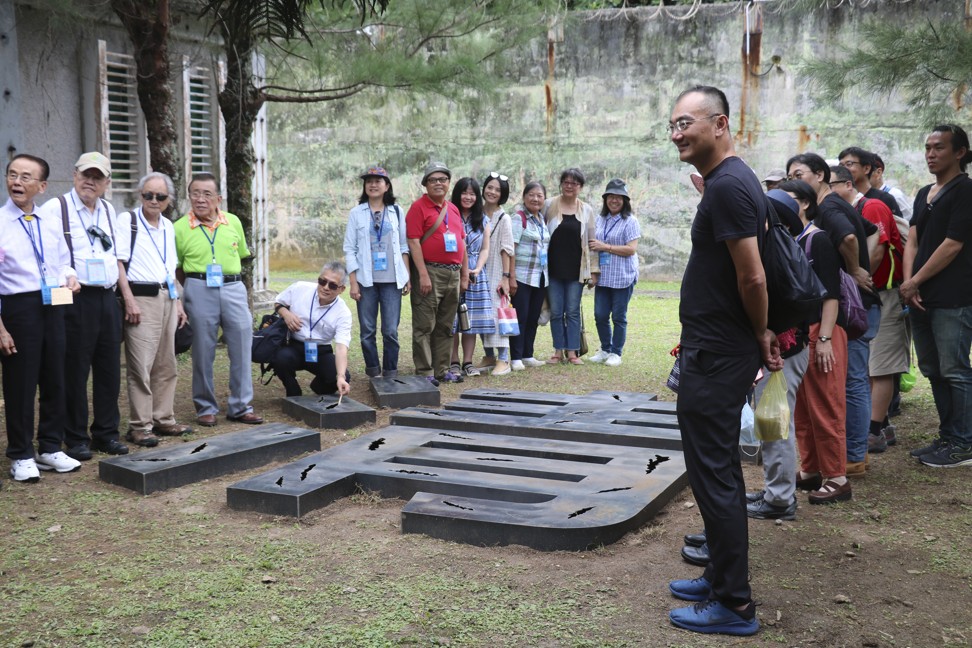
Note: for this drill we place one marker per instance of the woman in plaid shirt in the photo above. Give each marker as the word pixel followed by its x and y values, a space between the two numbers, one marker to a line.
pixel 530 242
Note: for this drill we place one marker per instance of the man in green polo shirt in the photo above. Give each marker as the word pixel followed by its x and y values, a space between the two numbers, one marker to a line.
pixel 211 244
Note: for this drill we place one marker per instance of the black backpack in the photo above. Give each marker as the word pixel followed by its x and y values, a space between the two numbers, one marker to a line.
pixel 267 340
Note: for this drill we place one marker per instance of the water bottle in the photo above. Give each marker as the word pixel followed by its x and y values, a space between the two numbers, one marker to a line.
pixel 464 323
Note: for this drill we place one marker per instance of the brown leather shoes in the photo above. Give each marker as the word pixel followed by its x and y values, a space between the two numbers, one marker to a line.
pixel 206 420
pixel 175 429
pixel 831 492
pixel 250 418
pixel 811 483
pixel 143 438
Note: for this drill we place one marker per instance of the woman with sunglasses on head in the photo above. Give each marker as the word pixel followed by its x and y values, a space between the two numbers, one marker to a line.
pixel 529 274
pixel 153 312
pixel 572 225
pixel 482 318
pixel 498 269
pixel 616 245
pixel 377 256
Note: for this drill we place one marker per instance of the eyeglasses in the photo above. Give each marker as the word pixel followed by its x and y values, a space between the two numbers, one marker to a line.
pixel 208 195
pixel 681 125
pixel 838 183
pixel 499 176
pixel 330 285
pixel 570 183
pixel 26 178
pixel 148 196
pixel 437 180
pixel 96 232
pixel 850 163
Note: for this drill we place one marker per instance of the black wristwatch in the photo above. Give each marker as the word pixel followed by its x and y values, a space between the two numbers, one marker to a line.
pixel 823 338
pixel 506 274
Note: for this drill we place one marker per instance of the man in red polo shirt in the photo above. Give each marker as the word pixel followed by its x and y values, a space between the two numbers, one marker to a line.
pixel 436 243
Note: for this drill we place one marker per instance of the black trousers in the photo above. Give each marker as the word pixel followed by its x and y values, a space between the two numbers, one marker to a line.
pixel 528 302
pixel 38 334
pixel 93 325
pixel 289 359
pixel 711 392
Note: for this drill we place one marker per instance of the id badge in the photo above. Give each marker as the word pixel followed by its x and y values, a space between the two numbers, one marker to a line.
pixel 214 275
pixel 380 258
pixel 46 285
pixel 451 244
pixel 310 352
pixel 173 291
pixel 603 258
pixel 543 258
pixel 97 273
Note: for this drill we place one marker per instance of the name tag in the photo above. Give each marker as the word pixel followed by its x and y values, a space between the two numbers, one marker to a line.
pixel 603 258
pixel 214 275
pixel 61 297
pixel 543 258
pixel 173 291
pixel 97 272
pixel 451 244
pixel 47 285
pixel 310 351
pixel 379 258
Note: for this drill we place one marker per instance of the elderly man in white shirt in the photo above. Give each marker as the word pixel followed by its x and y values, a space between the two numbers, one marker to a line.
pixel 320 326
pixel 153 311
pixel 34 259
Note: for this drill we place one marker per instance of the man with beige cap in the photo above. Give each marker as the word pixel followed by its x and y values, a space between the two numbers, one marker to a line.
pixel 93 321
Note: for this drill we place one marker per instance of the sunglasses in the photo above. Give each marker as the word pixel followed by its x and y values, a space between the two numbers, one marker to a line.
pixel 96 232
pixel 499 176
pixel 148 196
pixel 327 284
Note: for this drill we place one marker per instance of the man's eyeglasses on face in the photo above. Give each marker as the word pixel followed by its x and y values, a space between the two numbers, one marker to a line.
pixel 437 180
pixel 330 285
pixel 837 183
pixel 570 183
pixel 196 195
pixel 850 163
pixel 148 196
pixel 25 178
pixel 499 176
pixel 681 125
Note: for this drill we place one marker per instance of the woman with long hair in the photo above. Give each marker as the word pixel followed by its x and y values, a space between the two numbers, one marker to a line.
pixel 498 269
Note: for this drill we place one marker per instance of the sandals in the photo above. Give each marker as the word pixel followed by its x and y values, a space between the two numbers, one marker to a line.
pixel 575 361
pixel 556 359
pixel 470 370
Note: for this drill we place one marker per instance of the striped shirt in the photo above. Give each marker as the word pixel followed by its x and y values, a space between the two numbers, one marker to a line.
pixel 529 243
pixel 617 271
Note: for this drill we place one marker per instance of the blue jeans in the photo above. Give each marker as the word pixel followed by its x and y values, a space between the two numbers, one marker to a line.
pixel 943 338
pixel 564 296
pixel 612 303
pixel 386 297
pixel 858 417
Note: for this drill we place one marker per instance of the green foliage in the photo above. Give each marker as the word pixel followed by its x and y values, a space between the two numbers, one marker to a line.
pixel 929 65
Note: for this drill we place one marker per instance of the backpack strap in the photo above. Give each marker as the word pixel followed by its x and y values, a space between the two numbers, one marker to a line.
pixel 67 227
pixel 111 226
pixel 131 250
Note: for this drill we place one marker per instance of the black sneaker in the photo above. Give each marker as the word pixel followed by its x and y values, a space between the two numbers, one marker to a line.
pixel 80 452
pixel 935 446
pixel 949 456
pixel 763 510
pixel 754 496
pixel 111 446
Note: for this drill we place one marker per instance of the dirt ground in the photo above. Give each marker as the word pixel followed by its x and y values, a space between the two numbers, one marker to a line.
pixel 890 568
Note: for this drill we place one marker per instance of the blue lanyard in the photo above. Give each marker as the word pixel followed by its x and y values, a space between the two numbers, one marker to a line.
pixel 164 253
pixel 379 230
pixel 38 252
pixel 536 221
pixel 323 315
pixel 212 241
pixel 809 225
pixel 610 229
pixel 97 220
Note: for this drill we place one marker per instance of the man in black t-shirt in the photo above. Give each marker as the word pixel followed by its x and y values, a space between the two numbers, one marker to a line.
pixel 723 313
pixel 861 165
pixel 938 288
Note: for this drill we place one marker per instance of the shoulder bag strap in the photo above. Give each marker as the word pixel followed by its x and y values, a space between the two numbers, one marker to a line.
pixel 131 250
pixel 111 226
pixel 67 227
pixel 435 225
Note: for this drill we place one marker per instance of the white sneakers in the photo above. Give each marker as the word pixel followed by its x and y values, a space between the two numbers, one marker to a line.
pixel 517 365
pixel 533 362
pixel 28 470
pixel 24 470
pixel 600 356
pixel 613 360
pixel 57 461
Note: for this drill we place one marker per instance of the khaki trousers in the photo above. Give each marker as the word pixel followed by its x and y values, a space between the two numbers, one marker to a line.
pixel 432 318
pixel 150 357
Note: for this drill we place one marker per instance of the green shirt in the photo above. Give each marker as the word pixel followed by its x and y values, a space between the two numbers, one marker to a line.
pixel 195 251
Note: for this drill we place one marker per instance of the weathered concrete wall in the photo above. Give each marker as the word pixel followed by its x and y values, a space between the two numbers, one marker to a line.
pixel 616 76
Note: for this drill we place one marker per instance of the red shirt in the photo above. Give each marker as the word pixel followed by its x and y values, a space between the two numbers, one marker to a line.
pixel 879 214
pixel 421 216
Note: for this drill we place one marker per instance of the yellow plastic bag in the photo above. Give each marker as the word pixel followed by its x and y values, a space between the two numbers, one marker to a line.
pixel 773 411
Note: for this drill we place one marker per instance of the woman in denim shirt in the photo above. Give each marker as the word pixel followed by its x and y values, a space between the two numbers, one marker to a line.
pixel 530 241
pixel 377 258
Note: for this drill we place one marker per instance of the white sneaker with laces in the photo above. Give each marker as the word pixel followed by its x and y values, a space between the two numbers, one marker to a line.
pixel 533 362
pixel 613 360
pixel 600 356
pixel 24 470
pixel 57 461
pixel 517 365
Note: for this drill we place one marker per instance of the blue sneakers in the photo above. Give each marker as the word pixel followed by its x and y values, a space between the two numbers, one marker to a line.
pixel 712 617
pixel 697 589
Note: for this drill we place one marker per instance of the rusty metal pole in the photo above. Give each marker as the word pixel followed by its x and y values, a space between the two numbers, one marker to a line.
pixel 751 54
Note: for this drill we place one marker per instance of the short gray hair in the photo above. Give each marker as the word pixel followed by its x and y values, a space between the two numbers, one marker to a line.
pixel 336 266
pixel 169 185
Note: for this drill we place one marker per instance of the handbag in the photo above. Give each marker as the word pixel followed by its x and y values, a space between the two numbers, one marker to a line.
pixel 851 309
pixel 506 322
pixel 268 338
pixel 676 372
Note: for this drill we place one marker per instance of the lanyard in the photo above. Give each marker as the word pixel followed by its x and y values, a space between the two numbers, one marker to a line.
pixel 536 221
pixel 212 241
pixel 381 228
pixel 323 315
pixel 38 251
pixel 164 252
pixel 809 225
pixel 607 229
pixel 84 226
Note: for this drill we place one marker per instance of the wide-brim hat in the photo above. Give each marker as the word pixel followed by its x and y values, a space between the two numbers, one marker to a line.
pixel 375 172
pixel 94 160
pixel 787 208
pixel 616 187
pixel 435 167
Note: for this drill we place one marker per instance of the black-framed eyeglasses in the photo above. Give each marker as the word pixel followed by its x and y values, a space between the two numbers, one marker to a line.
pixel 499 176
pixel 96 232
pixel 330 285
pixel 837 182
pixel 438 180
pixel 681 125
pixel 148 196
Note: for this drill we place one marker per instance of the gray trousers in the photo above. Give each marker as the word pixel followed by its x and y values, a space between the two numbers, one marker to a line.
pixel 208 310
pixel 780 457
